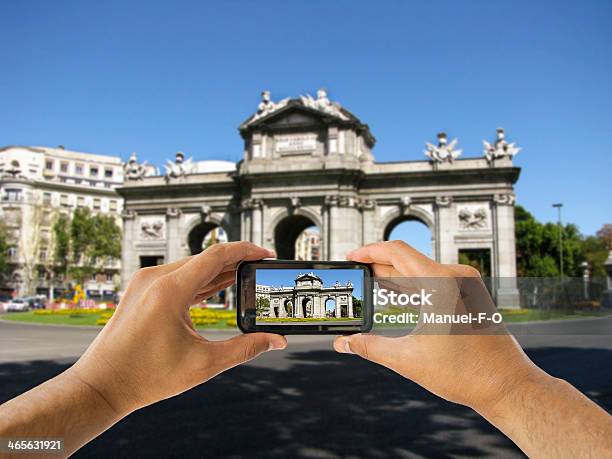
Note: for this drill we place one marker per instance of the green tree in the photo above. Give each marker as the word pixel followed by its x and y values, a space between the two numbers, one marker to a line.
pixel 357 306
pixel 605 234
pixel 261 304
pixel 61 244
pixel 81 238
pixel 537 248
pixel 85 243
pixel 595 252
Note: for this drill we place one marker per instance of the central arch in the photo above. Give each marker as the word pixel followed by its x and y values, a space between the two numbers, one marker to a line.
pixel 286 234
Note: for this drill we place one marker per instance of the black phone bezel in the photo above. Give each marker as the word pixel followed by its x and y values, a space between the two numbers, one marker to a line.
pixel 246 322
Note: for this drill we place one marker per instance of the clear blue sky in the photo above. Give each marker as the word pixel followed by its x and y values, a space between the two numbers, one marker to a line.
pixel 156 77
pixel 286 278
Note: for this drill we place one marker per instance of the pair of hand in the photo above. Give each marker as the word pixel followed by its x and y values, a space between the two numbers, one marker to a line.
pixel 150 351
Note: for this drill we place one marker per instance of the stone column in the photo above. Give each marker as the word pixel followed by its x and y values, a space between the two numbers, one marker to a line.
pixel 350 305
pixel 129 257
pixel 504 257
pixel 445 250
pixel 173 235
pixel 368 221
pixel 257 230
pixel 297 307
pixel 271 309
pixel 316 307
pixel 338 307
pixel 344 231
pixel 246 220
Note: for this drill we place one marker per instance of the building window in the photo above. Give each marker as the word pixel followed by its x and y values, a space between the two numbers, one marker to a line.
pixel 108 172
pixel 46 218
pixel 93 171
pixel 113 206
pixel 64 200
pixel 12 194
pixel 49 164
pixel 96 203
pixel 64 166
pixel 46 198
pixel 78 169
pixel 11 253
pixel 42 255
pixel 80 201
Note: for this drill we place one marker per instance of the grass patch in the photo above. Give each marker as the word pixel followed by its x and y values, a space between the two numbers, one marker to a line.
pixel 201 318
pixel 56 319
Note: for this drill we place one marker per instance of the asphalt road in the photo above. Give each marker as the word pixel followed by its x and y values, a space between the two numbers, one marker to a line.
pixel 308 402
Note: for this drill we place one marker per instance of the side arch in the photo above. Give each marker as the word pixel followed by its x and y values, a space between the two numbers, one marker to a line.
pixel 396 216
pixel 196 229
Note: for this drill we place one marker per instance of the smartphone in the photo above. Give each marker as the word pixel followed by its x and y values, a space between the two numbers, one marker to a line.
pixel 304 297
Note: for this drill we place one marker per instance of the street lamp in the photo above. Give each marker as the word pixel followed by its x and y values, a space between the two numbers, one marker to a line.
pixel 560 226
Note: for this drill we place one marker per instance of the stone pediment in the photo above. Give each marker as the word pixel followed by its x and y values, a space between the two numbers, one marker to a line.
pixel 304 114
pixel 294 113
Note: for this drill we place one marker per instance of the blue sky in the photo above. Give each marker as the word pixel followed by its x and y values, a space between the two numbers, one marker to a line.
pixel 286 277
pixel 156 77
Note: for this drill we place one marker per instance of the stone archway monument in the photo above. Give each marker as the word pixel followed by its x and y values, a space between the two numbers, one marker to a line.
pixel 310 160
pixel 308 297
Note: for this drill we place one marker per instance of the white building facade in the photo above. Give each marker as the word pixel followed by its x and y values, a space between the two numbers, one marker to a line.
pixel 36 185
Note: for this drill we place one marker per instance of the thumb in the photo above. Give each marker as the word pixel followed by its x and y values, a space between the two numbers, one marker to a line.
pixel 378 349
pixel 245 347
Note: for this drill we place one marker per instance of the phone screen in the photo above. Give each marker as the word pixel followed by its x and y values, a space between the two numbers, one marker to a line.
pixel 304 297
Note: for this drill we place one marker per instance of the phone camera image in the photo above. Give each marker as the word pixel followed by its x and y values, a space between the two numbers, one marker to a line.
pixel 304 297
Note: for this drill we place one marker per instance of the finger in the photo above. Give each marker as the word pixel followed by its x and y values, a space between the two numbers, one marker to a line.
pixel 147 276
pixel 407 260
pixel 378 349
pixel 213 290
pixel 232 352
pixel 209 264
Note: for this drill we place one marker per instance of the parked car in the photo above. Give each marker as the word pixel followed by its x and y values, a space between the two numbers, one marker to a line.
pixel 36 302
pixel 17 305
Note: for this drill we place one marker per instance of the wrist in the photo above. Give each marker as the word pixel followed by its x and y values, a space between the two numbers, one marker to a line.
pixel 100 391
pixel 515 392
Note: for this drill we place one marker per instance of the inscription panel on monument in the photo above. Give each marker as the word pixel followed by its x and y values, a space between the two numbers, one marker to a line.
pixel 295 143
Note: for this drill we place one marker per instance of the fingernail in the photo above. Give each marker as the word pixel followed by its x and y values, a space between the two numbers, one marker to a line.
pixel 277 346
pixel 344 346
pixel 271 253
pixel 349 254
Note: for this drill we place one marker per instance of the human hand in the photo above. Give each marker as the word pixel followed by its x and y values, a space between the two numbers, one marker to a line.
pixel 150 351
pixel 472 369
